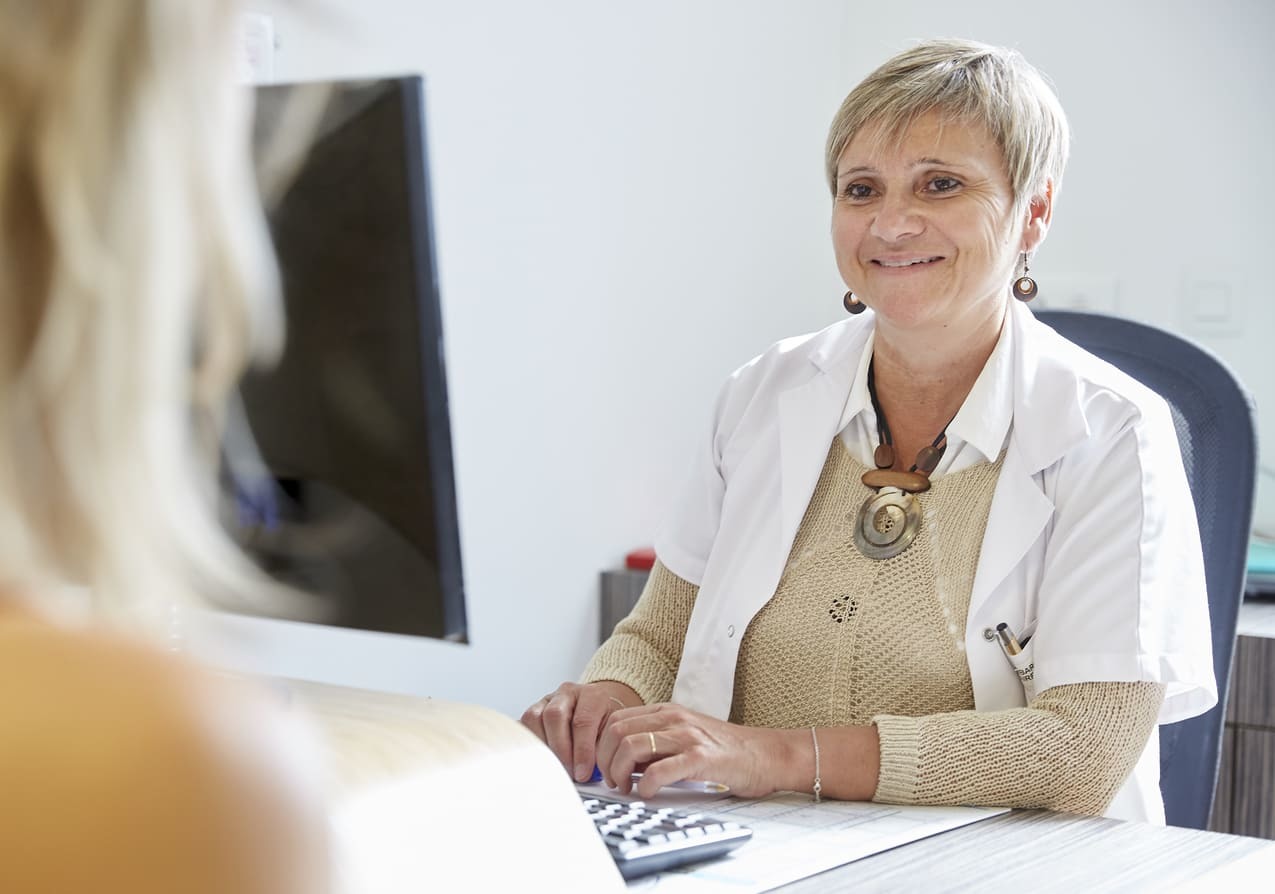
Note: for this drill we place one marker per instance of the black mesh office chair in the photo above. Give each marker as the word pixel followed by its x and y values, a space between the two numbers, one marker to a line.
pixel 1214 417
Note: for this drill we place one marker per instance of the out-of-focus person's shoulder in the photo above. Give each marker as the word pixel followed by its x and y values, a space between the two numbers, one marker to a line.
pixel 126 768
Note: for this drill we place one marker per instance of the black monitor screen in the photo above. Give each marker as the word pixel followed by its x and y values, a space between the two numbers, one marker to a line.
pixel 352 425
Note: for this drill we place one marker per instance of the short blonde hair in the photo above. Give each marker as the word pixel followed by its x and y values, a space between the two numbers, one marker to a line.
pixel 136 281
pixel 963 80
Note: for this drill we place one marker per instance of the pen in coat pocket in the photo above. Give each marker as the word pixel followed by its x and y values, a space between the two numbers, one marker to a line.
pixel 1009 642
pixel 1024 668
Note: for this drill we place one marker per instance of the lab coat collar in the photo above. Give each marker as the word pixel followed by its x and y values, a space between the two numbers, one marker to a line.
pixel 1048 422
pixel 985 416
pixel 1038 392
pixel 859 400
pixel 1028 383
pixel 810 414
pixel 1049 419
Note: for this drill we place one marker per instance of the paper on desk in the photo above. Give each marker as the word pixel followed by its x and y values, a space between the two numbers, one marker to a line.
pixel 793 837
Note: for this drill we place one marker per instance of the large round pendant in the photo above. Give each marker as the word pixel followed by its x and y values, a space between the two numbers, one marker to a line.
pixel 887 523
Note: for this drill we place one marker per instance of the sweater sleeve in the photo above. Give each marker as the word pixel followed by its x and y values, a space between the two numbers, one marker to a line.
pixel 645 649
pixel 1071 749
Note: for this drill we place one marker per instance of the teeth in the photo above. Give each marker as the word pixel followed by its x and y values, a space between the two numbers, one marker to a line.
pixel 907 263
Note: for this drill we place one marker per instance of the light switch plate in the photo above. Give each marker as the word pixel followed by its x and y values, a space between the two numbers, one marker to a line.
pixel 257 48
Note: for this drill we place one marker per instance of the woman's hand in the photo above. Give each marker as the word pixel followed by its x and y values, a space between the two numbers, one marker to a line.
pixel 570 718
pixel 669 743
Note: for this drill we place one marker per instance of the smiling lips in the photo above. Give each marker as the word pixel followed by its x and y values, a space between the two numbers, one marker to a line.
pixel 905 262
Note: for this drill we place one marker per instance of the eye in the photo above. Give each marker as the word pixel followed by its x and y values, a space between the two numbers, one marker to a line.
pixel 857 191
pixel 944 184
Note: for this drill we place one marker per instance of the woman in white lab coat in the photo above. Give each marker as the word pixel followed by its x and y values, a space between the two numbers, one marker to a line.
pixel 933 553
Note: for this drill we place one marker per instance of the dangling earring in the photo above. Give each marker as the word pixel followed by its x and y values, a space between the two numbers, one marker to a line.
pixel 1024 287
pixel 853 305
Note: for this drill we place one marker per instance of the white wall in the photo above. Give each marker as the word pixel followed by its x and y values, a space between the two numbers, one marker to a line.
pixel 629 203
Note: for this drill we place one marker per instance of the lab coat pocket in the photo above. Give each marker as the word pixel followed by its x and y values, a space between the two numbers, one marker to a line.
pixel 1019 652
pixel 1025 669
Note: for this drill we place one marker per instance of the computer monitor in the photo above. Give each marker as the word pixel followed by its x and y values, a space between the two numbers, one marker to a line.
pixel 358 503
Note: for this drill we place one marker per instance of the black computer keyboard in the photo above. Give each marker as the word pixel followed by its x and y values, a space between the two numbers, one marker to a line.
pixel 644 839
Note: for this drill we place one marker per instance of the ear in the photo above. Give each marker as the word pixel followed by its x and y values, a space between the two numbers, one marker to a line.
pixel 1040 210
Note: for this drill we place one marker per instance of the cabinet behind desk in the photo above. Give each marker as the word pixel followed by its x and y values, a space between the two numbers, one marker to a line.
pixel 1245 803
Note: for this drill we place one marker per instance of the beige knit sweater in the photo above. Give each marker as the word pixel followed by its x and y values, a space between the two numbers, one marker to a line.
pixel 850 640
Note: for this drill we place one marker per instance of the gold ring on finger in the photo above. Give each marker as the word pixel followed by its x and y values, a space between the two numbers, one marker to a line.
pixel 654 751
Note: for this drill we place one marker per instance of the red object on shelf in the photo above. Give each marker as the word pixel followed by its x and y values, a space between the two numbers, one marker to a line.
pixel 641 559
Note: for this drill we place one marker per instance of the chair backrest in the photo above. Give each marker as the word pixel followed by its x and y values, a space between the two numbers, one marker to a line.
pixel 1214 417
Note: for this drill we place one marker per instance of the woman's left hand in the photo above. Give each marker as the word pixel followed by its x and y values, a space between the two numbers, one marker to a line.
pixel 669 743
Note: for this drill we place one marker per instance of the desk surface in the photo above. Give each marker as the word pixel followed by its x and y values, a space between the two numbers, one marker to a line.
pixel 1257 618
pixel 1059 852
pixel 407 782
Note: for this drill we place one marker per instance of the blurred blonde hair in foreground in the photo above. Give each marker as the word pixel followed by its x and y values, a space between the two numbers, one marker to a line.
pixel 136 281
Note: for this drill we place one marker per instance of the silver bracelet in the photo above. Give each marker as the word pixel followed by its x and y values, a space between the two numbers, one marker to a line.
pixel 818 783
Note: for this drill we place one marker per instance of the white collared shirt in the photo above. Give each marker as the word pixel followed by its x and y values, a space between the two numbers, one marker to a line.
pixel 979 431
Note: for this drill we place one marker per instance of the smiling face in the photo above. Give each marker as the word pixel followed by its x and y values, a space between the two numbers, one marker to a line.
pixel 924 226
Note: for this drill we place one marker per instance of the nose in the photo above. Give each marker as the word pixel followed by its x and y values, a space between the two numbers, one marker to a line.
pixel 897 217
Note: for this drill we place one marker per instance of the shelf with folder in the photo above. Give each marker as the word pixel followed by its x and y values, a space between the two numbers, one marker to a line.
pixel 1261 569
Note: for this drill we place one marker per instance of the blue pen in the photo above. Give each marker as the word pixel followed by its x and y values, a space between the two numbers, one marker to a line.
pixel 690 785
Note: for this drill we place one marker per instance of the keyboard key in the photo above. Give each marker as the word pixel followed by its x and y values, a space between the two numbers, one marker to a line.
pixel 644 840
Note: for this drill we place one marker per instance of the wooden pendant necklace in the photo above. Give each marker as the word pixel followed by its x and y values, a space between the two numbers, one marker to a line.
pixel 888 521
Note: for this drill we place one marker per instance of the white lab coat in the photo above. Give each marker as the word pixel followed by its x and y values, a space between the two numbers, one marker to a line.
pixel 1091 546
